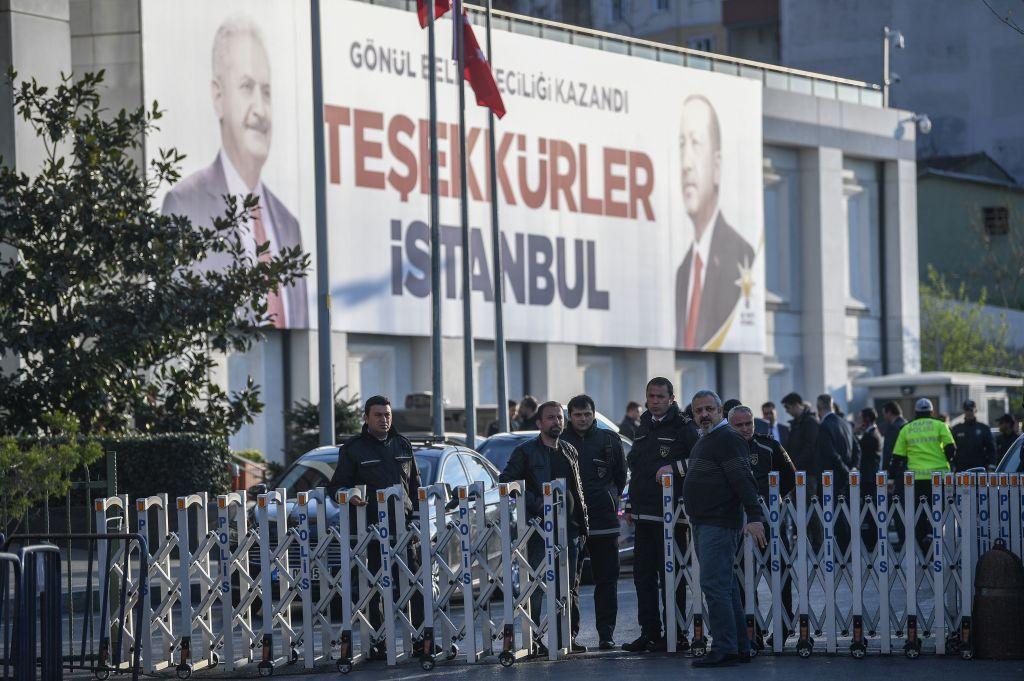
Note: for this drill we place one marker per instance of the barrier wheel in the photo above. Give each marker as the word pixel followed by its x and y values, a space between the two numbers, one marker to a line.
pixel 967 654
pixel 803 648
pixel 214 659
pixel 102 674
pixel 858 651
pixel 698 650
pixel 266 668
pixel 453 652
pixel 294 657
pixel 344 666
pixel 912 649
pixel 506 658
pixel 427 663
pixel 184 671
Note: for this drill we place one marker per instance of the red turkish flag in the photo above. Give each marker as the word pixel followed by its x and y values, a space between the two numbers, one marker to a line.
pixel 478 73
pixel 440 7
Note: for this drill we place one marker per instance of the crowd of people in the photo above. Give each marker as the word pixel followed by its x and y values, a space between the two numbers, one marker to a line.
pixel 720 456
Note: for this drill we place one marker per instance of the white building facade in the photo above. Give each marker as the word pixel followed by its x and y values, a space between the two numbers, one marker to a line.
pixel 836 206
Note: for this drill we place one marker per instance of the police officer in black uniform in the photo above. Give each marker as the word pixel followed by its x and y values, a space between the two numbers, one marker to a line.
pixel 662 444
pixel 975 447
pixel 767 455
pixel 380 457
pixel 603 469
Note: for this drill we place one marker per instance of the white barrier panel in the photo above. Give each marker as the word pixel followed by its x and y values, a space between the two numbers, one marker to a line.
pixel 865 570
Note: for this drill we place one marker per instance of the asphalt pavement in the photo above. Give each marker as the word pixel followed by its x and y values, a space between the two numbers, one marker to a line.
pixel 620 665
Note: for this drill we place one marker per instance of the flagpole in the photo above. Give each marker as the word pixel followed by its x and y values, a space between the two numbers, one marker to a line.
pixel 323 279
pixel 437 386
pixel 467 311
pixel 499 319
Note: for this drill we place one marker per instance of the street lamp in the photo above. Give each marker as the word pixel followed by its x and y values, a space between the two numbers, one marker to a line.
pixel 891 39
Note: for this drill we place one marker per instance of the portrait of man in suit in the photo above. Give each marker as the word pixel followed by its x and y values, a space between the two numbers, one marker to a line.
pixel 241 93
pixel 717 266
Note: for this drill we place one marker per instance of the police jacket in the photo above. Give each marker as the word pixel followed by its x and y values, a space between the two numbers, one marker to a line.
pixel 767 455
pixel 603 470
pixel 975 447
pixel 802 445
pixel 531 463
pixel 667 442
pixel 365 460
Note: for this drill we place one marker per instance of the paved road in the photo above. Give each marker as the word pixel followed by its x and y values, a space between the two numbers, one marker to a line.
pixel 620 665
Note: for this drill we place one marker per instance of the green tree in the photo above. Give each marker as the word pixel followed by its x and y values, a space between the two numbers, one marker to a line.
pixel 302 422
pixel 34 469
pixel 104 303
pixel 957 334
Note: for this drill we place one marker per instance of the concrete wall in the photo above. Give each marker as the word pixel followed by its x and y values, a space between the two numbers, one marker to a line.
pixel 961 66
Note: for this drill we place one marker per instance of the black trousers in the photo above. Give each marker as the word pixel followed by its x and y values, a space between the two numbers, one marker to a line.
pixel 649 576
pixel 604 565
pixel 535 554
pixel 376 605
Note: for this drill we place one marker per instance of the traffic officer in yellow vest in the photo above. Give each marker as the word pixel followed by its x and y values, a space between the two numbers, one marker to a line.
pixel 923 446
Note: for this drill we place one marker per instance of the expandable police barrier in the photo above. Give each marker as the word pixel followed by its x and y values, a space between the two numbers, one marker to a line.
pixel 864 569
pixel 869 569
pixel 98 633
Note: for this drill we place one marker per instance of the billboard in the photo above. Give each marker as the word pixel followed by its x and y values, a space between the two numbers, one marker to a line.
pixel 630 191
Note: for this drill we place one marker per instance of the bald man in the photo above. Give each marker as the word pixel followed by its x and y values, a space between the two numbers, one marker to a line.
pixel 241 94
pixel 710 280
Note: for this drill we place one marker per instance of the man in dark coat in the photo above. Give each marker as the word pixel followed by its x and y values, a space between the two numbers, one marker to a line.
pixel 378 458
pixel 870 463
pixel 603 469
pixel 663 445
pixel 543 459
pixel 892 413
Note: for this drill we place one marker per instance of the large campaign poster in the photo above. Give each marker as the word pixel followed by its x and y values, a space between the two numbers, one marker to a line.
pixel 629 191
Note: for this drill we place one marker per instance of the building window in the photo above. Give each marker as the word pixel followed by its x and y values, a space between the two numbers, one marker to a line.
pixel 997 220
pixel 661 5
pixel 861 196
pixel 618 10
pixel 704 43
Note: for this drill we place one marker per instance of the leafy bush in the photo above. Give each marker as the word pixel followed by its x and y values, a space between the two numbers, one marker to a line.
pixel 254 455
pixel 32 469
pixel 178 464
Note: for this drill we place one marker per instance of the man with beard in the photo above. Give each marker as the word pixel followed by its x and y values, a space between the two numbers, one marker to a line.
pixel 543 459
pixel 719 488
pixel 662 445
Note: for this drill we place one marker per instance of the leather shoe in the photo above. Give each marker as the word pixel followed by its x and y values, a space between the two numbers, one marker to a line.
pixel 715 659
pixel 577 648
pixel 639 645
pixel 606 645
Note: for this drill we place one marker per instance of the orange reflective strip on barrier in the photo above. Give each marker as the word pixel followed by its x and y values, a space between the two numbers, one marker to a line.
pixel 181 503
pixel 222 501
pixel 801 478
pixel 666 481
pixel 908 478
pixel 422 494
pixel 854 477
pixel 547 488
pixel 880 479
pixel 773 478
pixel 826 478
pixel 936 479
pixel 503 489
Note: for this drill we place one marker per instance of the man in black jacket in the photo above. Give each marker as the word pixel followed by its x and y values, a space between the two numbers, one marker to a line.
pixel 662 444
pixel 870 464
pixel 837 450
pixel 718 489
pixel 975 446
pixel 894 422
pixel 630 423
pixel 380 457
pixel 603 469
pixel 803 433
pixel 543 459
pixel 767 456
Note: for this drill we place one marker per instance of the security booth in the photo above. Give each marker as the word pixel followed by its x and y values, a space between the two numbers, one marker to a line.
pixel 947 391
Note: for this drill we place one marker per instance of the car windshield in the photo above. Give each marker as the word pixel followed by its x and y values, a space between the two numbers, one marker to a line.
pixel 426 465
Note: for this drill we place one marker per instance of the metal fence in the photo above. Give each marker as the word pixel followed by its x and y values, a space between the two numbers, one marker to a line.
pixel 313 581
